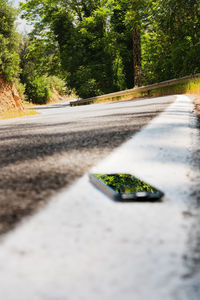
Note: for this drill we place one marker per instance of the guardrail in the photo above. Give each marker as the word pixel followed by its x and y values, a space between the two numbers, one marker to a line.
pixel 132 92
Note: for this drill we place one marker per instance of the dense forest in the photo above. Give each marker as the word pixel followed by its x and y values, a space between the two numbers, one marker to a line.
pixel 93 47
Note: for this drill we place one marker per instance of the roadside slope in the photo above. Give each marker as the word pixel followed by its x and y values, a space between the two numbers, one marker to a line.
pixel 9 97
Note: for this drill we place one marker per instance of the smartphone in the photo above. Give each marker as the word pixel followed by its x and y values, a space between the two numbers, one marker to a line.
pixel 125 187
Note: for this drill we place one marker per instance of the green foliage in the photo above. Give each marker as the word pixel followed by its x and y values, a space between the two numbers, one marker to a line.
pixel 91 62
pixel 123 44
pixel 56 84
pixel 171 47
pixel 85 51
pixel 40 64
pixel 38 90
pixel 20 88
pixel 39 56
pixel 9 43
pixel 90 43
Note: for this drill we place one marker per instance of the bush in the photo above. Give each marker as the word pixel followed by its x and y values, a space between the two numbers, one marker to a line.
pixel 20 89
pixel 38 90
pixel 57 84
pixel 86 85
pixel 89 89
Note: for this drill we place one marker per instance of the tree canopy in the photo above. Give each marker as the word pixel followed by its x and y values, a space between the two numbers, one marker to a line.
pixel 110 45
pixel 9 42
pixel 171 44
pixel 101 46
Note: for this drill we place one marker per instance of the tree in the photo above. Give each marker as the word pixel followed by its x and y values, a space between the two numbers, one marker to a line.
pixel 41 68
pixel 85 50
pixel 110 45
pixel 39 56
pixel 80 29
pixel 129 21
pixel 9 42
pixel 95 42
pixel 123 42
pixel 171 46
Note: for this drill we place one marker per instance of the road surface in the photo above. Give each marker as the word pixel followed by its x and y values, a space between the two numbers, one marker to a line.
pixel 82 245
pixel 39 155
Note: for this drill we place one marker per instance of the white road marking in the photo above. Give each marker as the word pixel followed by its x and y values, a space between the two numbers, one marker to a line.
pixel 85 246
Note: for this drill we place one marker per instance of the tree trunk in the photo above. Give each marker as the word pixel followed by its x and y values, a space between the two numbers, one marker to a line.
pixel 137 59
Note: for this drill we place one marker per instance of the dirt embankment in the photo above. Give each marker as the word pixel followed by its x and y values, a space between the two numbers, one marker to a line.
pixel 9 97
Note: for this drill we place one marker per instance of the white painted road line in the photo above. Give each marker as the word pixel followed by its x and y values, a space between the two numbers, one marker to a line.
pixel 85 246
pixel 159 154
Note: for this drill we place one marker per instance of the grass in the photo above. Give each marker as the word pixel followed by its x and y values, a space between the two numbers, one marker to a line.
pixel 28 104
pixel 194 87
pixel 121 98
pixel 115 98
pixel 16 114
pixel 189 87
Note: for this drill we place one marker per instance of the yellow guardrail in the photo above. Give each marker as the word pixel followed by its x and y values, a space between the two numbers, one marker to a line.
pixel 132 92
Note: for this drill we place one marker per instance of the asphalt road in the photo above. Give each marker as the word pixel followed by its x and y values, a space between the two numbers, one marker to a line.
pixel 83 245
pixel 40 155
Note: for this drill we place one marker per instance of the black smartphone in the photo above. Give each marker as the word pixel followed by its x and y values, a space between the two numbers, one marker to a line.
pixel 125 187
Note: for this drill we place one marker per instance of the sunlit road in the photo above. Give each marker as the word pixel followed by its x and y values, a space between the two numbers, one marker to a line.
pixel 41 154
pixel 82 245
